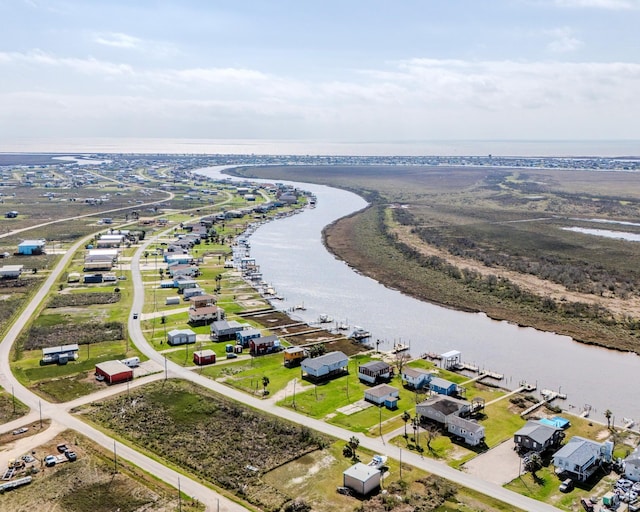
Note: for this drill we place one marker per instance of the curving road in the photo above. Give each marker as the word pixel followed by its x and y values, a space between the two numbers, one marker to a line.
pixel 61 417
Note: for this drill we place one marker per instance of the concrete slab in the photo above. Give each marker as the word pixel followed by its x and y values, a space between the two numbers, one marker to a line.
pixel 499 465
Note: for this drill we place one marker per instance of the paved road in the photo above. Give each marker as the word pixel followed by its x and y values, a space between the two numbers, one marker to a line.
pixel 377 445
pixel 61 417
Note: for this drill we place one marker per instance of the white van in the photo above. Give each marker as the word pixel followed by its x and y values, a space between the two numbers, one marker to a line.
pixel 131 362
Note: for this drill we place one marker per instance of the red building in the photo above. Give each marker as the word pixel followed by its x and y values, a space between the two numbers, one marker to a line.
pixel 114 372
pixel 201 357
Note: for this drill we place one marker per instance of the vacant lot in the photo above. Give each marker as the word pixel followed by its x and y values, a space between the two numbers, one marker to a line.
pixel 89 483
pixel 221 441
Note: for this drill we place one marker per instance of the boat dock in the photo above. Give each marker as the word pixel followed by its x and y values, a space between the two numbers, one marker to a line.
pixel 548 396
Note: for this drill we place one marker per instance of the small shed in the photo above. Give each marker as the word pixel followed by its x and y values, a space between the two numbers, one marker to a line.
pixel 383 394
pixel 361 478
pixel 114 371
pixel 327 365
pixel 31 247
pixel 172 301
pixel 201 357
pixel 181 337
pixel 443 386
pixel 293 356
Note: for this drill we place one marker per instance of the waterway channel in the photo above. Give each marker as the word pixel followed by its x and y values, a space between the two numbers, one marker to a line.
pixel 294 261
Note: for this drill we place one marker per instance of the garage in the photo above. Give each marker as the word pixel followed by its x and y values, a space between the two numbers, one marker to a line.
pixel 113 372
pixel 362 478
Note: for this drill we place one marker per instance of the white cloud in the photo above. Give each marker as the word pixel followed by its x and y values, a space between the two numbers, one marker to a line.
pixel 600 4
pixel 563 40
pixel 88 66
pixel 414 98
pixel 117 39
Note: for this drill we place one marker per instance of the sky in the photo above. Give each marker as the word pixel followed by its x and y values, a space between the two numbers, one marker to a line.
pixel 335 70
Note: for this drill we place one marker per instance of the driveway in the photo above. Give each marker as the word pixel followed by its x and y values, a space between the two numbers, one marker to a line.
pixel 499 465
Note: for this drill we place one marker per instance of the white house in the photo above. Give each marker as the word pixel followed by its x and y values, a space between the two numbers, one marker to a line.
pixel 415 378
pixel 325 365
pixel 632 466
pixel 581 457
pixel 383 394
pixel 470 431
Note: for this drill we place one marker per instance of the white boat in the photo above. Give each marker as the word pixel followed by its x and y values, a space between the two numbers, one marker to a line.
pixel 343 326
pixel 324 319
pixel 299 307
pixel 359 333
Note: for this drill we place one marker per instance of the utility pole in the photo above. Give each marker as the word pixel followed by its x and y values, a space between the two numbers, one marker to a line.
pixel 13 396
pixel 115 458
pixel 165 367
pixel 179 497
pixel 40 407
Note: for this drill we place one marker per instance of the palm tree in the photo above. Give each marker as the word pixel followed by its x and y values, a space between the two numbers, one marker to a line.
pixel 405 417
pixel 265 383
pixel 354 442
pixel 608 414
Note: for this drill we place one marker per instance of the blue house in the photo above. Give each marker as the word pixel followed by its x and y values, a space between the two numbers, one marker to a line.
pixel 443 386
pixel 245 336
pixel 31 247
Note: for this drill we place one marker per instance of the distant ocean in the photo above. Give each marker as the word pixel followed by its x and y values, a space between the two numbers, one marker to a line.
pixel 525 148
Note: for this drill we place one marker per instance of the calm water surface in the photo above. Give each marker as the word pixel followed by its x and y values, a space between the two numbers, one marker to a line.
pixel 294 261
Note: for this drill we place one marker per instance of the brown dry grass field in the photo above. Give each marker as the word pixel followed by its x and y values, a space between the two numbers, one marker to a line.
pixel 496 240
pixel 89 483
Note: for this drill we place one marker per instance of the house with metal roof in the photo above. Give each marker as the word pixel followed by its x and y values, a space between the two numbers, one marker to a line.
pixel 632 466
pixel 443 386
pixel 181 337
pixel 383 394
pixel 60 354
pixel 415 378
pixel 223 330
pixel 471 432
pixel 538 437
pixel 374 372
pixel 453 414
pixel 325 366
pixel 438 407
pixel 31 247
pixel 11 271
pixel 581 458
pixel 361 478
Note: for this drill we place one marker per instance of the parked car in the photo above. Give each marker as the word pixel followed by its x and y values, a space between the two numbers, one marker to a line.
pixel 566 485
pixel 99 377
pixel 20 431
pixel 231 355
pixel 71 455
pixel 135 316
pixel 62 448
pixel 50 460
